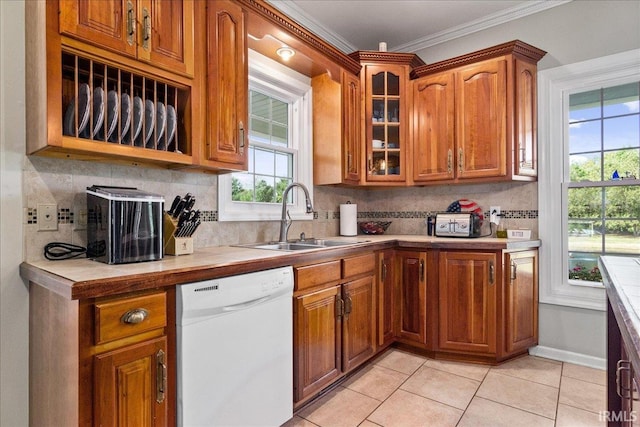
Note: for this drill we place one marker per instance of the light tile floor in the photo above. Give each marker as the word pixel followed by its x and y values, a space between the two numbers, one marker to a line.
pixel 406 390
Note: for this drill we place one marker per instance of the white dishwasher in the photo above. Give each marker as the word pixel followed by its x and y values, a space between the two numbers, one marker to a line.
pixel 235 350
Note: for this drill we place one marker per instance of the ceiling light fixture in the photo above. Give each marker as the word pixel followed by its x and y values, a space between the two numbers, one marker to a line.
pixel 285 52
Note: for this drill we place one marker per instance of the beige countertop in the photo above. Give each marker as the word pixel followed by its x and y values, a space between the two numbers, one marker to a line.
pixel 85 278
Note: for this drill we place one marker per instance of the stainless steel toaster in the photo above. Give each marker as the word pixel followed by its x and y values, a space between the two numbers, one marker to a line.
pixel 457 224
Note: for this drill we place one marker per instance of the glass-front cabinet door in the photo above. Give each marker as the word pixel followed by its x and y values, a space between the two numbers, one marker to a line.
pixel 385 122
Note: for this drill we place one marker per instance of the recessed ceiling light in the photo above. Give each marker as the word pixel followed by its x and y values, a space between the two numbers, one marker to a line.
pixel 285 52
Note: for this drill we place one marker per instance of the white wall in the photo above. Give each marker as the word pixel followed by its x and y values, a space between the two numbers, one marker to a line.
pixel 570 33
pixel 14 298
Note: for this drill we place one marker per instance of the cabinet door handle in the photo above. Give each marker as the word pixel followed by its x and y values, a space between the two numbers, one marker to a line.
pixel 131 23
pixel 339 306
pixel 421 270
pixel 383 270
pixel 348 305
pixel 241 136
pixel 460 160
pixel 449 161
pixel 135 316
pixel 146 28
pixel 622 390
pixel 370 164
pixel 514 271
pixel 349 162
pixel 161 377
pixel 492 273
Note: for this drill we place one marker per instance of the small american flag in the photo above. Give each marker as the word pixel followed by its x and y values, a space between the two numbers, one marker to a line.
pixel 465 205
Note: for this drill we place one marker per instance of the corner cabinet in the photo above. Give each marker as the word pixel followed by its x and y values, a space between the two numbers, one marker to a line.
pixel 334 321
pixel 386 101
pixel 488 303
pixel 475 117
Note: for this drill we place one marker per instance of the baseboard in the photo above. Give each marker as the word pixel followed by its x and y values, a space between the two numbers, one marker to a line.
pixel 568 356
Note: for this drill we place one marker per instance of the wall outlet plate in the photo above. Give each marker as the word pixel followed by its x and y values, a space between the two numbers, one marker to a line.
pixel 494 214
pixel 47 217
pixel 80 219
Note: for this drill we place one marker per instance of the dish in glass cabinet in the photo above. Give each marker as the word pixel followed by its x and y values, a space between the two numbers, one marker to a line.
pixel 83 112
pixel 112 114
pixel 172 121
pixel 98 113
pixel 125 118
pixel 161 124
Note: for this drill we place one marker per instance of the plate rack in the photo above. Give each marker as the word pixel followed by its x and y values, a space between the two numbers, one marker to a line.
pixel 154 111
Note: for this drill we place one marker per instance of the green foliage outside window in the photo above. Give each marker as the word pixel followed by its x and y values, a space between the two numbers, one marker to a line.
pixel 264 192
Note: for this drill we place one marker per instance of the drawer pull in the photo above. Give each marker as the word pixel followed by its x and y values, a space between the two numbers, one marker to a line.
pixel 135 316
pixel 161 377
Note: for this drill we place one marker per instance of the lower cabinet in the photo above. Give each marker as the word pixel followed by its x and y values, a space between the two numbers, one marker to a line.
pixel 411 302
pixel 467 283
pixel 103 361
pixel 385 280
pixel 488 303
pixel 334 321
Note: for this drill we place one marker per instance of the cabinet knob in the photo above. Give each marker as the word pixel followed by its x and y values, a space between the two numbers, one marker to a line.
pixel 135 316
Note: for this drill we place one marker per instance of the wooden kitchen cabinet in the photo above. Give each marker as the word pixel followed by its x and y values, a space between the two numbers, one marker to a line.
pixel 317 341
pixel 333 102
pixel 74 55
pixel 521 291
pixel 334 321
pixel 385 280
pixel 102 361
pixel 384 80
pixel 155 31
pixel 411 297
pixel 474 117
pixel 468 285
pixel 227 127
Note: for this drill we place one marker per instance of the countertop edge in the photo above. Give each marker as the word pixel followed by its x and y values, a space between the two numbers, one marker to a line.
pixel 216 263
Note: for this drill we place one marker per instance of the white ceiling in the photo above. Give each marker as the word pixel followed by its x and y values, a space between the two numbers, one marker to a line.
pixel 405 25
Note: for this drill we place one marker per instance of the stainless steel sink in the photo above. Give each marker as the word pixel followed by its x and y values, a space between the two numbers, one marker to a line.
pixel 302 245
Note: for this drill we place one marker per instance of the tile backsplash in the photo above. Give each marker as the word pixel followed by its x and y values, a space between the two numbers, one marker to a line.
pixel 64 183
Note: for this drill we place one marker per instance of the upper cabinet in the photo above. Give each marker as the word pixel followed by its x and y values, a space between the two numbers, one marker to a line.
pixel 336 149
pixel 227 86
pixel 474 117
pixel 112 81
pixel 156 31
pixel 386 102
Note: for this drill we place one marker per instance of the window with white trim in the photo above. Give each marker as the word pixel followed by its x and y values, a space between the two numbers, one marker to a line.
pixel 280 149
pixel 602 192
pixel 589 201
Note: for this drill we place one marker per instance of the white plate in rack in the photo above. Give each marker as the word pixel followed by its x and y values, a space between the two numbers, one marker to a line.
pixel 161 124
pixel 125 119
pixel 149 121
pixel 98 113
pixel 83 112
pixel 172 122
pixel 112 114
pixel 136 120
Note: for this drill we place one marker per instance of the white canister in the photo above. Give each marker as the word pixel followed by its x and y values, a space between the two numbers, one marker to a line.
pixel 348 219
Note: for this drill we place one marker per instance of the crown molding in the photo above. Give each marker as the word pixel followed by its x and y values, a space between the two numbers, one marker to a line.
pixel 290 9
pixel 525 9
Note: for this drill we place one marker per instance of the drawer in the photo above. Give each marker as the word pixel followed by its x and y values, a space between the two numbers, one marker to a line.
pixel 310 276
pixel 357 265
pixel 129 316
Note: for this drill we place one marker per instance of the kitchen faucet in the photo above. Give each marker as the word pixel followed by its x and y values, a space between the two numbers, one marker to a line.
pixel 284 222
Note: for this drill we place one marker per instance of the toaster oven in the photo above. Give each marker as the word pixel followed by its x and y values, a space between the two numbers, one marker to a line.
pixel 457 224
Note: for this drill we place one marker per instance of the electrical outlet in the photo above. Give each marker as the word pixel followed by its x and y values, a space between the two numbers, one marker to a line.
pixel 494 214
pixel 80 219
pixel 47 217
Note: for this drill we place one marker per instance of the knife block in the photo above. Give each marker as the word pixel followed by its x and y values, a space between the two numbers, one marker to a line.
pixel 175 245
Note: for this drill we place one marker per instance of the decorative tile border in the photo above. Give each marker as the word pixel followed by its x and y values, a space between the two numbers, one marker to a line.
pixel 65 215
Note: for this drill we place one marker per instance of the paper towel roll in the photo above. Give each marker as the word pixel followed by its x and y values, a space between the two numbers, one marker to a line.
pixel 348 219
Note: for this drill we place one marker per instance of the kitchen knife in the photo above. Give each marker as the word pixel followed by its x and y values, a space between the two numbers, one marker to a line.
pixel 174 205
